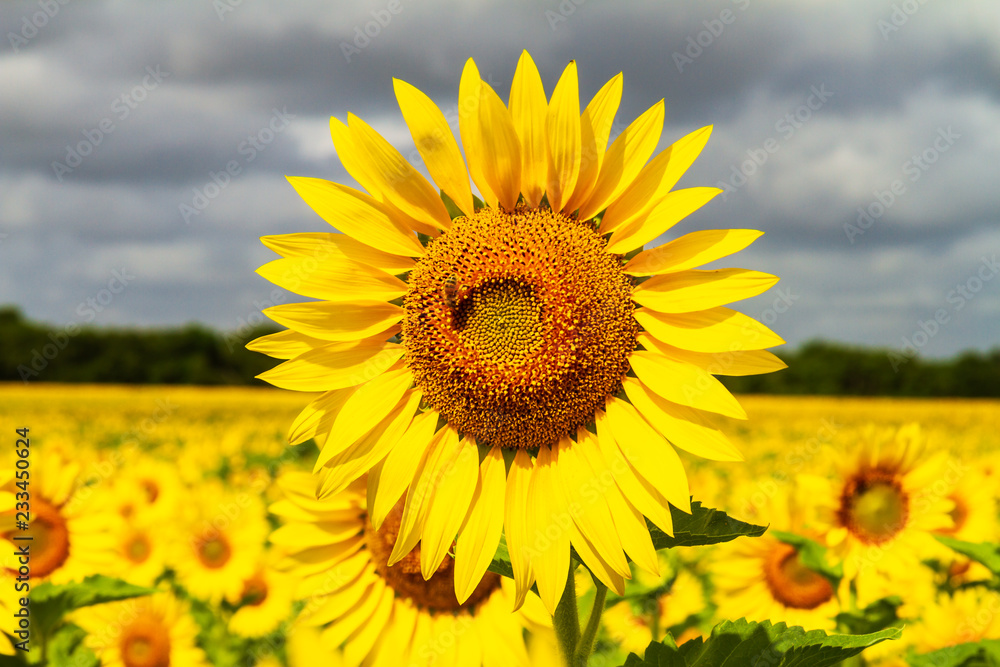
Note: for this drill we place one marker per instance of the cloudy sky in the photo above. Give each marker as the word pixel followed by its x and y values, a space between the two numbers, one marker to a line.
pixel 862 136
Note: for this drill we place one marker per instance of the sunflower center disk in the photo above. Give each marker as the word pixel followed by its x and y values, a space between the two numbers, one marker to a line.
pixel 874 508
pixel 792 583
pixel 146 643
pixel 518 325
pixel 50 538
pixel 436 593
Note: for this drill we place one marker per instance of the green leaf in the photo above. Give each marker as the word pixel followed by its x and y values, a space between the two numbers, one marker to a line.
pixel 984 653
pixel 876 616
pixel 986 553
pixel 453 210
pixel 812 555
pixel 49 603
pixel 741 643
pixel 702 527
pixel 66 648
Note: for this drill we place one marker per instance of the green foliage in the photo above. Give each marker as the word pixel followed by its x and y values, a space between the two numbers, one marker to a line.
pixel 986 553
pixel 985 653
pixel 49 603
pixel 877 616
pixel 812 554
pixel 66 648
pixel 744 643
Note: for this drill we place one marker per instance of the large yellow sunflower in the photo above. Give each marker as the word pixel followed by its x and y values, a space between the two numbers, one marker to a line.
pixel 451 332
pixel 388 615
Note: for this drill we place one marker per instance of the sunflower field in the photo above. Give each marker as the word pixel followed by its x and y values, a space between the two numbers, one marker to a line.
pixel 497 438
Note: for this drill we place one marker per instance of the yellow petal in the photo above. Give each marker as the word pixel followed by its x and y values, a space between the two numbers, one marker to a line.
pixel 361 614
pixel 527 109
pixel 333 279
pixel 692 290
pixel 356 460
pixel 330 245
pixel 468 127
pixel 585 497
pixel 624 160
pixel 350 156
pixel 562 125
pixel 645 499
pixel 714 330
pixel 595 562
pixel 419 496
pixel 479 536
pixel 515 518
pixel 400 465
pixel 359 644
pixel 548 531
pixel 682 426
pixel 359 215
pixel 366 407
pixel 691 250
pixel 337 321
pixel 595 128
pixel 655 180
pixel 501 148
pixel 335 366
pixel 452 496
pixel 670 210
pixel 649 454
pixel 286 344
pixel 684 383
pixel 736 362
pixel 436 144
pixel 318 415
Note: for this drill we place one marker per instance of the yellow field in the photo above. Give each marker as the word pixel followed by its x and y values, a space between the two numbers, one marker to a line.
pixel 133 473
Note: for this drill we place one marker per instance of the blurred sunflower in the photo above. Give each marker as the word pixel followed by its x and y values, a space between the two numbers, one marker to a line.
pixel 141 550
pixel 151 631
pixel 220 543
pixel 879 510
pixel 380 614
pixel 266 601
pixel 450 330
pixel 72 529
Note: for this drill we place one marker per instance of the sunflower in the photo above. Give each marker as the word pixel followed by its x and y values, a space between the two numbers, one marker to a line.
pixel 381 614
pixel 879 510
pixel 141 550
pixel 220 543
pixel 452 332
pixel 72 529
pixel 265 602
pixel 967 615
pixel 142 632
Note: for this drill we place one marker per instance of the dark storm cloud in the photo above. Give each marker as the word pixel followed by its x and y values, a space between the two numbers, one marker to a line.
pixel 820 111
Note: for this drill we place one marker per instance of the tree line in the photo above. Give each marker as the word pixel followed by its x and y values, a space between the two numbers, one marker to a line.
pixel 195 354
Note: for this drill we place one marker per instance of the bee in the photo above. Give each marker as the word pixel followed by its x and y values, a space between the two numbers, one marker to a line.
pixel 450 292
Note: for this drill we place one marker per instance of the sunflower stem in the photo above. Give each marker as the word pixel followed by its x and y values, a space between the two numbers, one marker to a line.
pixel 586 644
pixel 566 621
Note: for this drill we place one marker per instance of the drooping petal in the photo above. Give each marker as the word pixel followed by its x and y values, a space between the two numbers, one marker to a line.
pixel 714 330
pixel 691 250
pixel 501 148
pixel 655 180
pixel 562 125
pixel 691 290
pixel 359 215
pixel 400 465
pixel 318 416
pixel 449 506
pixel 624 160
pixel 478 538
pixel 335 365
pixel 548 530
pixel 468 127
pixel 333 279
pixel 515 524
pixel 650 455
pixel 682 426
pixel 684 383
pixel 337 321
pixel 595 128
pixel 670 210
pixel 528 110
pixel 436 144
